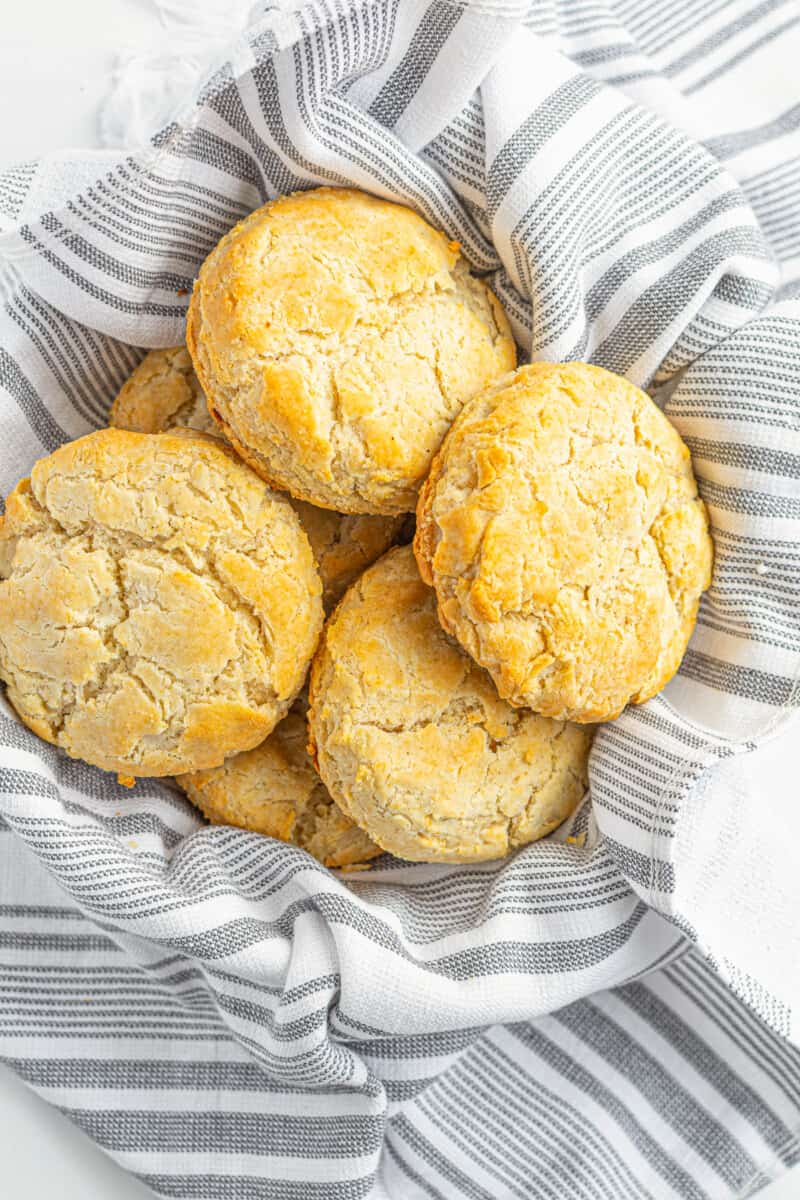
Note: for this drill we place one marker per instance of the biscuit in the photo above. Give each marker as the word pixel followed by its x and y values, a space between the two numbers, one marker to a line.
pixel 164 392
pixel 344 544
pixel 412 740
pixel 563 533
pixel 275 790
pixel 336 336
pixel 158 606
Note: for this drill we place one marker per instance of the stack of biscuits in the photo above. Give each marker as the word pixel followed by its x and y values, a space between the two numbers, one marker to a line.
pixel 166 581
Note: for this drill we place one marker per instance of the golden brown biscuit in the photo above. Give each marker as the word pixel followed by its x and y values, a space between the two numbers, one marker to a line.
pixel 336 336
pixel 413 741
pixel 562 530
pixel 275 790
pixel 164 392
pixel 159 604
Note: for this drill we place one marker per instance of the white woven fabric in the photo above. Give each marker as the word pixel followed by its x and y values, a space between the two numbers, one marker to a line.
pixel 259 1026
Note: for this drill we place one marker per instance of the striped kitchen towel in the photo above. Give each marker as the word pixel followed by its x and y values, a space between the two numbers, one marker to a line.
pixel 612 1013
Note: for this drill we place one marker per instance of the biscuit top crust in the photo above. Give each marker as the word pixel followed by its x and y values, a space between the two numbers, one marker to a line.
pixel 274 790
pixel 163 392
pixel 159 604
pixel 413 741
pixel 563 532
pixel 336 336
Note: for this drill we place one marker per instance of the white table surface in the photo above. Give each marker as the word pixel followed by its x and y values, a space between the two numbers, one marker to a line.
pixel 69 50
